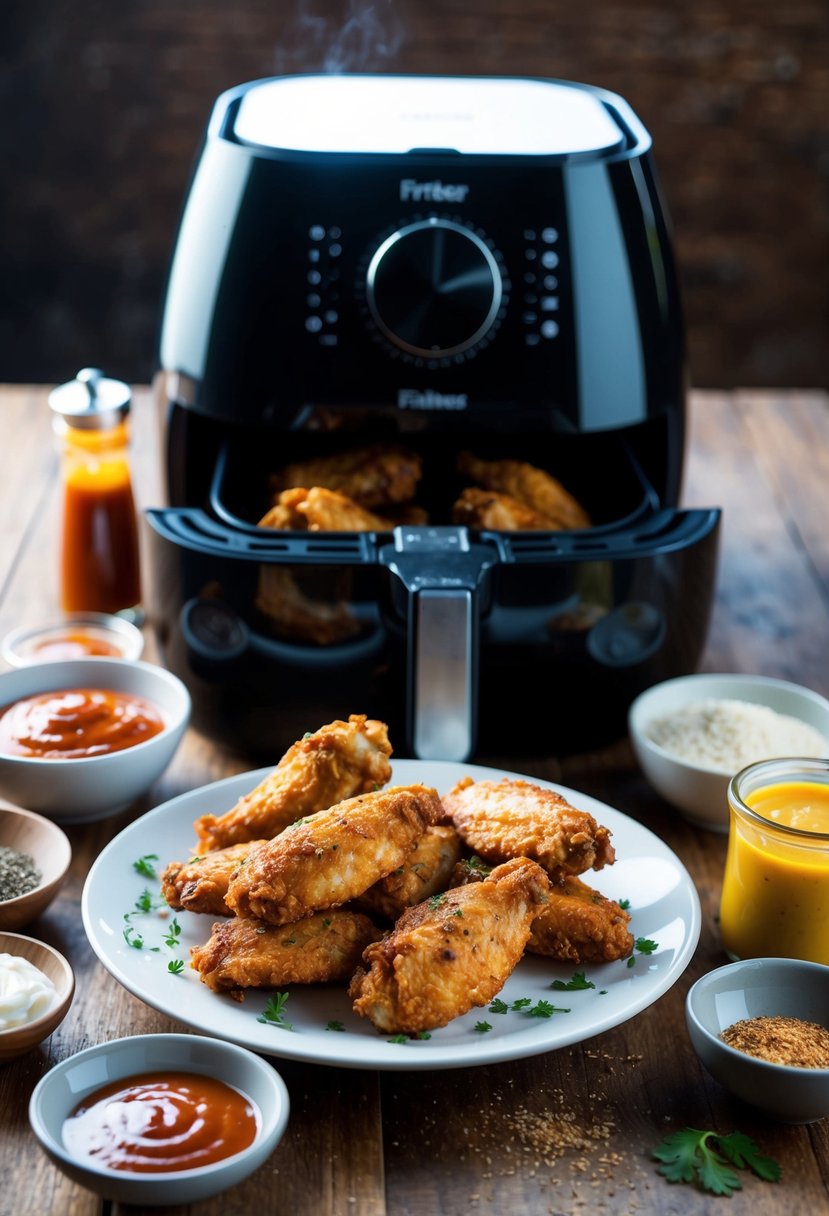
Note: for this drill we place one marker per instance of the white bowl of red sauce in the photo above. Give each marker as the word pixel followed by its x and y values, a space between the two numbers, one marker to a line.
pixel 160 1119
pixel 81 739
pixel 76 636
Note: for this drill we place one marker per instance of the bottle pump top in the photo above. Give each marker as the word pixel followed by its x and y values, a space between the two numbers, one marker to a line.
pixel 91 400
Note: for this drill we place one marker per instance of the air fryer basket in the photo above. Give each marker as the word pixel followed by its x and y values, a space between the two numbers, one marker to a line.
pixel 440 630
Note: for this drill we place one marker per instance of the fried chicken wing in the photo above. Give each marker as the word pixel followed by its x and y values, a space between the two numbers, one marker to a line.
pixel 533 487
pixel 336 762
pixel 580 925
pixel 334 856
pixel 479 508
pixel 321 510
pixel 320 949
pixel 299 616
pixel 450 953
pixel 374 475
pixel 200 884
pixel 426 870
pixel 515 818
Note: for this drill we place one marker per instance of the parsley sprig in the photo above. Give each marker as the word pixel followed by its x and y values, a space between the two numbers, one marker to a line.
pixel 144 865
pixel 274 1012
pixel 704 1158
pixel 578 982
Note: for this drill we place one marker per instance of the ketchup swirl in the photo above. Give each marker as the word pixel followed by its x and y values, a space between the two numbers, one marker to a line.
pixel 152 1123
pixel 77 723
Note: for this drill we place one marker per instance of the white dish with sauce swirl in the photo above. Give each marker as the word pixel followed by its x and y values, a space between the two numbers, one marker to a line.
pixel 59 1092
pixel 85 788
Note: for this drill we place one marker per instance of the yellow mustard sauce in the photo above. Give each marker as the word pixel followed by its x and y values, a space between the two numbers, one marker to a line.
pixel 775 897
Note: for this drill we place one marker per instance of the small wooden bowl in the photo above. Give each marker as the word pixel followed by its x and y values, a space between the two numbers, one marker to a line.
pixel 19 1039
pixel 49 848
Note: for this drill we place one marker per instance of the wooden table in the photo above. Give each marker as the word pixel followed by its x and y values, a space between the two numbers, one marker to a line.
pixel 365 1143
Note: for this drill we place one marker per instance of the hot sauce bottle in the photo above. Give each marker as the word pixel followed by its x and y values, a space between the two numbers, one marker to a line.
pixel 99 553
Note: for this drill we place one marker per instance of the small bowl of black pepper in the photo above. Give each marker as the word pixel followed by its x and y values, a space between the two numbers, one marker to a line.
pixel 761 1028
pixel 34 859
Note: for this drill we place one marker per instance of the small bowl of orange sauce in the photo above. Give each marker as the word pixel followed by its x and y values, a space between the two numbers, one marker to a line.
pixel 80 636
pixel 160 1119
pixel 81 739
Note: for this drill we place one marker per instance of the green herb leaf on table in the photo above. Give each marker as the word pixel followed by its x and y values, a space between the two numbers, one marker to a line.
pixel 704 1158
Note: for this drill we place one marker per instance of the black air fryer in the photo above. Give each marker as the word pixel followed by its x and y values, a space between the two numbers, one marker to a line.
pixel 456 264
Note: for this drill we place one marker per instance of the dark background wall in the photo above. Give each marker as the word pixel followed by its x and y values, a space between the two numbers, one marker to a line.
pixel 104 101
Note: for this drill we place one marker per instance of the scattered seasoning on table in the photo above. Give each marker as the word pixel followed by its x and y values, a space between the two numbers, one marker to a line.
pixel 18 873
pixel 781 1040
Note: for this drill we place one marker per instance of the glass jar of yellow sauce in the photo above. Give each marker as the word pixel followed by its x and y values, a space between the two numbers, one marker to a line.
pixel 775 896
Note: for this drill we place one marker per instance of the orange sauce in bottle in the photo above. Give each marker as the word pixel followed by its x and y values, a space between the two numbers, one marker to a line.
pixel 99 561
pixel 160 1122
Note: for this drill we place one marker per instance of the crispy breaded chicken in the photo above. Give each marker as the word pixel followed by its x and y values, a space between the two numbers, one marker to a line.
pixel 515 818
pixel 320 510
pixel 245 953
pixel 580 925
pixel 426 870
pixel 336 762
pixel 333 856
pixel 451 952
pixel 299 616
pixel 533 487
pixel 200 883
pixel 374 475
pixel 479 508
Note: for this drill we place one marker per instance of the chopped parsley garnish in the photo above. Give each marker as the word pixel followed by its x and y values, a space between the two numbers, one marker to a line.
pixel 624 904
pixel 482 1027
pixel 132 937
pixel 499 1006
pixel 645 946
pixel 173 935
pixel 543 1009
pixel 578 982
pixel 144 865
pixel 704 1158
pixel 274 1012
pixel 146 902
pixel 399 1038
pixel 436 900
pixel 334 1026
pixel 175 966
pixel 521 1003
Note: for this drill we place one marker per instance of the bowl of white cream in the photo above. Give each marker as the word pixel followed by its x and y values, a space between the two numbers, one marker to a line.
pixel 37 985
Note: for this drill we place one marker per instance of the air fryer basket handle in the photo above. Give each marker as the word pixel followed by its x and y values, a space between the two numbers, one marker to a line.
pixel 443 666
pixel 443 573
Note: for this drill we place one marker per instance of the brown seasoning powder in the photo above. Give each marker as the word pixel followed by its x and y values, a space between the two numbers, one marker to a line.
pixel 781 1040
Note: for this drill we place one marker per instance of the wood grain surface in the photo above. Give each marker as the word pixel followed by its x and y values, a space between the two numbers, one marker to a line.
pixel 563 1133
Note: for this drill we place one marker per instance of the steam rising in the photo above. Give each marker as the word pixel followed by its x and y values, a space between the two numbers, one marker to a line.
pixel 368 39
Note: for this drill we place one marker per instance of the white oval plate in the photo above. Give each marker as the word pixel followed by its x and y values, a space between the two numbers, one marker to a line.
pixel 664 907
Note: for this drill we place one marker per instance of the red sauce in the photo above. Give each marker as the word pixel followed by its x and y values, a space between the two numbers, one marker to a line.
pixel 99 549
pixel 74 723
pixel 75 644
pixel 160 1122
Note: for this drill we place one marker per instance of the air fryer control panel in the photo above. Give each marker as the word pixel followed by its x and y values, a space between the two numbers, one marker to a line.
pixel 437 287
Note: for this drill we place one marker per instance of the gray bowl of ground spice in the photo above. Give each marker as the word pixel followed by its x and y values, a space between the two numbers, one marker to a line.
pixel 761 1029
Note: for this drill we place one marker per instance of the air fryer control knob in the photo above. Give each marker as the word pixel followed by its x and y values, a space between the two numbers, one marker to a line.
pixel 434 288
